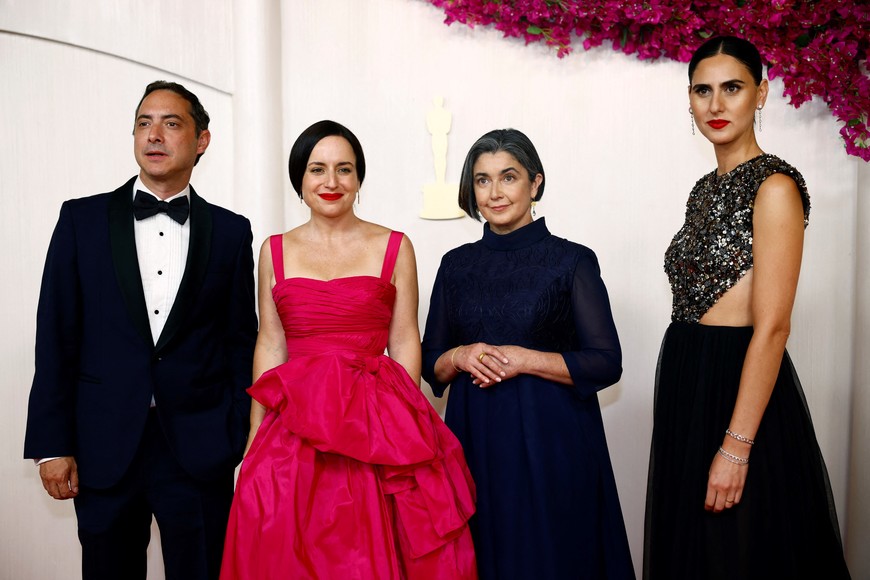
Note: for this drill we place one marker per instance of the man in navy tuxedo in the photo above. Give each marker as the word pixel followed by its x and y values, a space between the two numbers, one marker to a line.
pixel 144 346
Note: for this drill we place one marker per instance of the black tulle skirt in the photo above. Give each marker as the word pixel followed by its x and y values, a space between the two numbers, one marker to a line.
pixel 785 525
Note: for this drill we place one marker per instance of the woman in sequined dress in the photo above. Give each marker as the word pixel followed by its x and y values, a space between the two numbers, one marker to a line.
pixel 520 328
pixel 737 485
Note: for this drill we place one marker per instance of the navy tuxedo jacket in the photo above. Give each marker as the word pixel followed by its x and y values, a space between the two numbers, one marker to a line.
pixel 97 366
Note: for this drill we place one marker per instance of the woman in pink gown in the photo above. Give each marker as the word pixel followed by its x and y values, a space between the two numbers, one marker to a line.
pixel 350 473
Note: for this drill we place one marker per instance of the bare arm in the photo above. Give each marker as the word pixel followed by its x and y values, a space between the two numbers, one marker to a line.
pixel 271 348
pixel 403 343
pixel 778 233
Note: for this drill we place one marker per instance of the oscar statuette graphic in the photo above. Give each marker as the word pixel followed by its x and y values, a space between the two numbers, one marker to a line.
pixel 440 198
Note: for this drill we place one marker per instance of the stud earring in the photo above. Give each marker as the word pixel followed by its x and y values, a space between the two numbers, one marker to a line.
pixel 758 109
pixel 692 119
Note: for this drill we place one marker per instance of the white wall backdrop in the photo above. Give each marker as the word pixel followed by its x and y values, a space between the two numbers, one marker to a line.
pixel 613 134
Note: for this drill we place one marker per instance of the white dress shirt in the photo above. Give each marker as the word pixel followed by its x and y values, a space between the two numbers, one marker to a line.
pixel 161 246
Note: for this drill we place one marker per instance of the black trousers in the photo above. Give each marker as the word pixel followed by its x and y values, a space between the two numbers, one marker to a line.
pixel 114 525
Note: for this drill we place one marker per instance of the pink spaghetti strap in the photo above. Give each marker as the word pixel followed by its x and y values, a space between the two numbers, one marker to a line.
pixel 277 243
pixel 391 255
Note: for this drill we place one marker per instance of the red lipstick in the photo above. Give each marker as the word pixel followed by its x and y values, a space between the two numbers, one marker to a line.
pixel 718 123
pixel 330 196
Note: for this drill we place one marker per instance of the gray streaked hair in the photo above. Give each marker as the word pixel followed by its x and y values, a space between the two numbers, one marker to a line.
pixel 510 141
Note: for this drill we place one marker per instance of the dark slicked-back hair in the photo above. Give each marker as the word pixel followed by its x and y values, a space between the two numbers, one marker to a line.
pixel 742 50
pixel 507 140
pixel 300 153
pixel 197 111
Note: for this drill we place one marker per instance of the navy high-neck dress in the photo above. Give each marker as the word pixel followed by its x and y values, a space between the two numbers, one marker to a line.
pixel 547 499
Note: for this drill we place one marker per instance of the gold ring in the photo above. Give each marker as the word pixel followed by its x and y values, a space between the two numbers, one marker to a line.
pixel 482 355
pixel 729 501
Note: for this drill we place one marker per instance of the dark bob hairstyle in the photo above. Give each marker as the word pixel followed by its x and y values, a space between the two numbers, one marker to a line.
pixel 310 137
pixel 740 49
pixel 507 140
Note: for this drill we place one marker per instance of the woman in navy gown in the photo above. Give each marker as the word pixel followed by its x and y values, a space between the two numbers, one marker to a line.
pixel 520 327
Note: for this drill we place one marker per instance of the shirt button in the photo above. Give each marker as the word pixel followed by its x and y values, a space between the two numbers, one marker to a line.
pixel 161 233
pixel 156 312
pixel 159 272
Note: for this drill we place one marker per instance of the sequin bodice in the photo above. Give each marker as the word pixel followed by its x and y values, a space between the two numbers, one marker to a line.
pixel 713 249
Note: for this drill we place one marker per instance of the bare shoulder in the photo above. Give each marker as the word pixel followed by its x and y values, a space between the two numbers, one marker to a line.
pixel 378 236
pixel 266 246
pixel 374 232
pixel 406 250
pixel 406 261
pixel 294 235
pixel 779 184
pixel 778 195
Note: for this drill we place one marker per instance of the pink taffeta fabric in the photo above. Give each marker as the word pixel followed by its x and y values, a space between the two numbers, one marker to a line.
pixel 352 473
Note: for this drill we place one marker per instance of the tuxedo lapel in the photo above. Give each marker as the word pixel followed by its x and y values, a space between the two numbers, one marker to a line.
pixel 123 243
pixel 194 270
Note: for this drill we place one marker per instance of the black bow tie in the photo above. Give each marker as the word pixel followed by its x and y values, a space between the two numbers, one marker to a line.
pixel 146 205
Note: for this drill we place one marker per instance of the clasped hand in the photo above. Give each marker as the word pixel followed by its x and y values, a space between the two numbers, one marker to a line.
pixel 489 364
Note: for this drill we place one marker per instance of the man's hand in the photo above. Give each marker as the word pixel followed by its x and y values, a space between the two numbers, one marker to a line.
pixel 60 477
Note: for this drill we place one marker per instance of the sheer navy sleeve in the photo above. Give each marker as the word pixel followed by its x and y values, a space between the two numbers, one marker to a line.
pixel 597 361
pixel 438 337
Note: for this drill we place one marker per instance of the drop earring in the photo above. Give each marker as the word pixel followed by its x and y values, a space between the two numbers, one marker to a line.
pixel 758 109
pixel 692 119
pixel 534 203
pixel 358 198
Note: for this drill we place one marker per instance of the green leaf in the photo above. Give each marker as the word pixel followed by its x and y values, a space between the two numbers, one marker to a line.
pixel 704 34
pixel 534 30
pixel 803 40
pixel 853 122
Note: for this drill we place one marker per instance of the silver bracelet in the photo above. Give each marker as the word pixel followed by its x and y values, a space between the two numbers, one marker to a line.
pixel 733 458
pixel 740 437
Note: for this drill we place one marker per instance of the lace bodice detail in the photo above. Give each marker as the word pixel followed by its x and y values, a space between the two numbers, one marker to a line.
pixel 527 288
